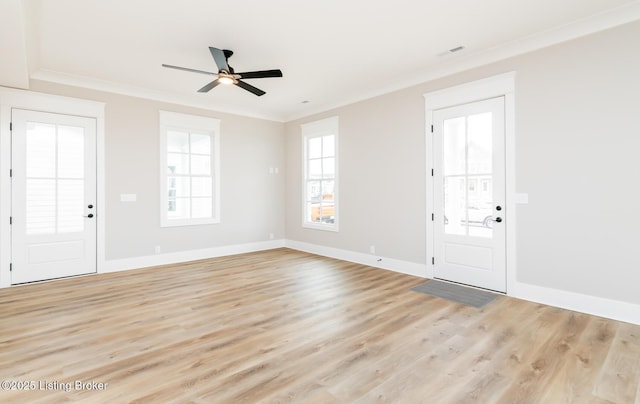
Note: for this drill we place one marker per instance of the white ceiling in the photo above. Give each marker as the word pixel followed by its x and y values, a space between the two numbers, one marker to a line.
pixel 332 52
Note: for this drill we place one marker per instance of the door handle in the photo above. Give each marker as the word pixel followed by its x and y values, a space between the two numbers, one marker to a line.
pixel 497 219
pixel 90 215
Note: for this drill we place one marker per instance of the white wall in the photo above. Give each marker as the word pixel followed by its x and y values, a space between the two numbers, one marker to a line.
pixel 251 198
pixel 577 141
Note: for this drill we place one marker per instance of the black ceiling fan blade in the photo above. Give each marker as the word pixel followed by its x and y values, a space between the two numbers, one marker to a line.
pixel 261 74
pixel 186 69
pixel 220 58
pixel 209 86
pixel 249 88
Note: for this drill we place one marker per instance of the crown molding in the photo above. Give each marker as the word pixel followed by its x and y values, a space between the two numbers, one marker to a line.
pixel 459 63
pixel 141 92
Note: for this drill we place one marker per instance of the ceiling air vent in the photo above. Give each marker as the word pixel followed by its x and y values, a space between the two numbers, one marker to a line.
pixel 450 51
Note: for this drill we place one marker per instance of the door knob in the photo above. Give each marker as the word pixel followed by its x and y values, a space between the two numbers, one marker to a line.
pixel 498 208
pixel 91 207
pixel 498 219
pixel 90 215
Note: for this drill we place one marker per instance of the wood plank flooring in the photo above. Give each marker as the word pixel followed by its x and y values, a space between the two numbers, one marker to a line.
pixel 285 326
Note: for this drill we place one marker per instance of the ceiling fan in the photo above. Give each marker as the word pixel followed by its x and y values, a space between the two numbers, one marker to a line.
pixel 226 74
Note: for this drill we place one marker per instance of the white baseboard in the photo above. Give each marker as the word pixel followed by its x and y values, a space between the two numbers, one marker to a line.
pixel 597 306
pixel 185 256
pixel 405 267
pixel 593 305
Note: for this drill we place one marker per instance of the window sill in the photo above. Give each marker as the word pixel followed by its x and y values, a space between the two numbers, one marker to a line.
pixel 188 222
pixel 325 227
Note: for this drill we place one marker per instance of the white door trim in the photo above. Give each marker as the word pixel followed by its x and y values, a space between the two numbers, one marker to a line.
pixel 11 98
pixel 495 86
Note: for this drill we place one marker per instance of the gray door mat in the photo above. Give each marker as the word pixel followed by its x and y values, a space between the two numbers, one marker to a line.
pixel 457 293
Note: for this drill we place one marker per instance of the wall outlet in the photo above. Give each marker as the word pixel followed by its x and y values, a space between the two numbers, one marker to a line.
pixel 372 249
pixel 158 249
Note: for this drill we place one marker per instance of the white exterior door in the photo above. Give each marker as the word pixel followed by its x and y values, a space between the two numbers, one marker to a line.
pixel 469 194
pixel 53 207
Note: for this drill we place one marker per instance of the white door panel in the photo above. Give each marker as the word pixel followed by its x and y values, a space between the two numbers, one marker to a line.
pixel 53 230
pixel 43 253
pixel 468 256
pixel 469 194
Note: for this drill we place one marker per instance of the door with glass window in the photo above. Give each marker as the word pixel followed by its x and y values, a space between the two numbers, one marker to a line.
pixel 53 210
pixel 469 194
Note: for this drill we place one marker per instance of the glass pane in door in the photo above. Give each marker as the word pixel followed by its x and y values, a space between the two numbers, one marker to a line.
pixel 70 152
pixel 70 203
pixel 454 170
pixel 40 206
pixel 467 175
pixel 480 173
pixel 54 179
pixel 41 150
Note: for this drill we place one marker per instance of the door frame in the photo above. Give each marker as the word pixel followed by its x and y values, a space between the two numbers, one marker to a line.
pixel 29 100
pixel 502 85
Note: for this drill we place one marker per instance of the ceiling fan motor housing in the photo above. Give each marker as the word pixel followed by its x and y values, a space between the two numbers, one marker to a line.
pixel 227 54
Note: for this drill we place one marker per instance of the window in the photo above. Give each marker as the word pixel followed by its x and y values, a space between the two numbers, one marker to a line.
pixel 320 143
pixel 190 174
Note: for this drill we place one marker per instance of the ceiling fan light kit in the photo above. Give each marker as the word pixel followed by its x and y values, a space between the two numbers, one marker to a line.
pixel 227 75
pixel 224 79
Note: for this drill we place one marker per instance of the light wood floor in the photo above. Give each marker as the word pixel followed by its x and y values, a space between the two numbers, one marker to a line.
pixel 285 326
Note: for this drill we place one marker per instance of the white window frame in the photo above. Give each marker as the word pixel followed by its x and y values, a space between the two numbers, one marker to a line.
pixel 324 127
pixel 200 125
